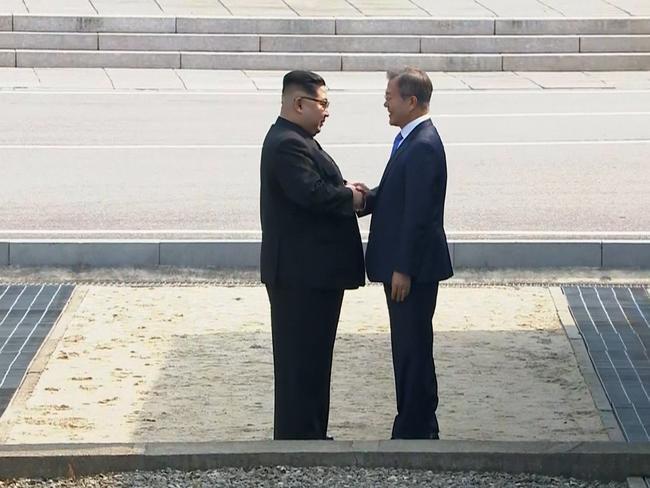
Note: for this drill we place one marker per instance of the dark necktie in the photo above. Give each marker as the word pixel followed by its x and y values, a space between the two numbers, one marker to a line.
pixel 398 139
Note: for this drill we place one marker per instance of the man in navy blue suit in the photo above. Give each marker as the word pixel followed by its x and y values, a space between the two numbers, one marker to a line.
pixel 407 248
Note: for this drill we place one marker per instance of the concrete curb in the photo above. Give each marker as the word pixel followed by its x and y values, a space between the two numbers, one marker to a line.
pixel 478 254
pixel 586 460
pixel 324 25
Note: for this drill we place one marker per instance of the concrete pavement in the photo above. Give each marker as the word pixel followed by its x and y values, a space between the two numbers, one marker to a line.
pixel 337 8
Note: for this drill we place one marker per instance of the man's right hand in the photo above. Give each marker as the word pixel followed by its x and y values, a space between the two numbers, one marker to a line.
pixel 358 198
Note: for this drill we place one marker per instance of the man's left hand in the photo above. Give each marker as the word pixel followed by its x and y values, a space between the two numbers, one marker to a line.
pixel 400 286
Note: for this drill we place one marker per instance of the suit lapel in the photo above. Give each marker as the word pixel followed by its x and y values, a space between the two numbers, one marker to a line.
pixel 402 147
pixel 327 164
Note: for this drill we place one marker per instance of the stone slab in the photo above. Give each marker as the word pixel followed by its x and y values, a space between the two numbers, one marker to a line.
pixel 341 43
pixel 433 62
pixel 6 22
pixel 97 59
pixel 577 62
pixel 179 42
pixel 144 79
pixel 214 254
pixel 194 7
pixel 586 8
pixel 201 79
pixel 25 40
pixel 520 8
pixel 458 8
pixel 83 78
pixel 58 7
pixel 496 80
pixel 7 59
pixel 555 80
pixel 66 23
pixel 626 254
pixel 572 26
pixel 254 25
pixel 615 44
pixel 261 61
pixel 500 44
pixel 18 78
pixel 415 26
pixel 80 253
pixel 527 254
pixel 127 7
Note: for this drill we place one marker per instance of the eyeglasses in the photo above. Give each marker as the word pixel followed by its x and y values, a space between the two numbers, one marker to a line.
pixel 323 103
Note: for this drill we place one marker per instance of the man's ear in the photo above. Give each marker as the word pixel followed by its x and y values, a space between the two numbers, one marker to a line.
pixel 297 104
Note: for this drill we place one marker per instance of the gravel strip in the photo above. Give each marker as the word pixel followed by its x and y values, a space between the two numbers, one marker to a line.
pixel 329 477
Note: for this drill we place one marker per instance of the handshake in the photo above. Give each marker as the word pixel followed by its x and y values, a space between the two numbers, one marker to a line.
pixel 359 192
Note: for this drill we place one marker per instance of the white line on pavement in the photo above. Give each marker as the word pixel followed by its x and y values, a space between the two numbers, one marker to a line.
pixel 327 145
pixel 256 232
pixel 346 91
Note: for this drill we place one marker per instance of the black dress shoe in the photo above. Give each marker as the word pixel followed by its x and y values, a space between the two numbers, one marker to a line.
pixel 434 436
pixel 329 438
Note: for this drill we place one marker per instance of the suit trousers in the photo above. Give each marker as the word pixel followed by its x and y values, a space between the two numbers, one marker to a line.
pixel 411 333
pixel 303 326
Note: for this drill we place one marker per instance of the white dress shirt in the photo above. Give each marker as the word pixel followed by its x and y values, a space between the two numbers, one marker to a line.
pixel 408 128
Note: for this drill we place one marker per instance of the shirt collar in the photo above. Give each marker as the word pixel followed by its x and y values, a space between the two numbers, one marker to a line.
pixel 408 128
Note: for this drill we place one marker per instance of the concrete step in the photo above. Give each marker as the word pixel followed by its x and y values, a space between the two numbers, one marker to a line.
pixel 326 26
pixel 325 44
pixel 325 61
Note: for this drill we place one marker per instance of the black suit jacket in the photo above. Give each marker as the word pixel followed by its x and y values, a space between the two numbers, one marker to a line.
pixel 407 227
pixel 310 233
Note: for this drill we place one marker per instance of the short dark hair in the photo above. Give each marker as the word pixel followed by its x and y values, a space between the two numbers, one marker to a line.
pixel 413 82
pixel 307 80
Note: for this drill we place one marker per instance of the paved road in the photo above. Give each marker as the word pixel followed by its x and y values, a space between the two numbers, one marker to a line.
pixel 565 163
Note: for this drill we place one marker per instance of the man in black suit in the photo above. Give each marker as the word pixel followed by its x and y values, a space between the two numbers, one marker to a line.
pixel 407 248
pixel 311 253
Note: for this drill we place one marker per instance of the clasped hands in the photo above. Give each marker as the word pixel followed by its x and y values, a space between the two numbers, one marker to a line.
pixel 359 192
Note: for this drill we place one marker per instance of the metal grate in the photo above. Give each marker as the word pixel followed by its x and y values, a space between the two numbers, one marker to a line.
pixel 615 325
pixel 27 314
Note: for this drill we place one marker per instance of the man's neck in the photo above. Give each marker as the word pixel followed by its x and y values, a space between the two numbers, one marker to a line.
pixel 415 117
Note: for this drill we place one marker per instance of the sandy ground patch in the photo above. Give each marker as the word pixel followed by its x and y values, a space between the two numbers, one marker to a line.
pixel 195 363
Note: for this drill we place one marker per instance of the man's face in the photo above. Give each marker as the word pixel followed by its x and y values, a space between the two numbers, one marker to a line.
pixel 314 110
pixel 399 109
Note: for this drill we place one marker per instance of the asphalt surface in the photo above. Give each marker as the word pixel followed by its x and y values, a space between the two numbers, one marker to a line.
pixel 534 164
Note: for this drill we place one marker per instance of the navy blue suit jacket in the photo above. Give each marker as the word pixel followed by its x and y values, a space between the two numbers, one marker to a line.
pixel 407 227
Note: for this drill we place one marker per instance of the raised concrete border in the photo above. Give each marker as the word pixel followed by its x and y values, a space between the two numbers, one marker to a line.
pixel 48 40
pixel 97 59
pixel 4 254
pixel 415 26
pixel 179 42
pixel 625 254
pixel 586 460
pixel 527 254
pixel 6 22
pixel 253 25
pixel 261 61
pixel 601 402
pixel 481 254
pixel 198 254
pixel 68 23
pixel 7 59
pixel 430 62
pixel 84 253
pixel 577 62
pixel 555 26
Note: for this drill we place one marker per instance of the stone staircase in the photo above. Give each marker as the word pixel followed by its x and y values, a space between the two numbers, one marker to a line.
pixel 328 44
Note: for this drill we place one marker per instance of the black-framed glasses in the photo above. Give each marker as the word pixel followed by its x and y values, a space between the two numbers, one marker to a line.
pixel 325 103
